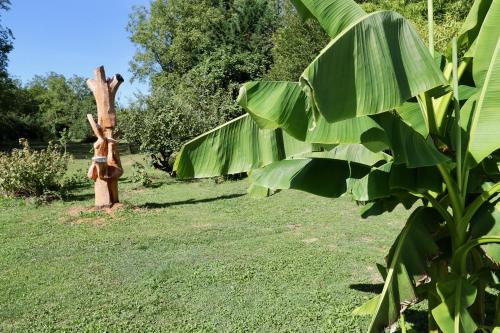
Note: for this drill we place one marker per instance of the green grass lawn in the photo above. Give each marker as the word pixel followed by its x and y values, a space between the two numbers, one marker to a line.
pixel 189 257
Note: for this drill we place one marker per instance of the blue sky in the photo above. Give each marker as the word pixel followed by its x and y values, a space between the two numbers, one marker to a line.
pixel 72 37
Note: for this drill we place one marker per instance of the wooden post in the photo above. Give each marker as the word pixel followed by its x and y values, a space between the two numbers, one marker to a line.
pixel 106 167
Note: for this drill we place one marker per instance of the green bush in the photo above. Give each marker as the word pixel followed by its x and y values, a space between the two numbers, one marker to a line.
pixel 33 173
pixel 140 175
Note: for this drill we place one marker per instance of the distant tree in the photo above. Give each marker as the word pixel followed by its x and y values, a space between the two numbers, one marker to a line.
pixel 195 54
pixel 18 112
pixel 16 105
pixel 62 104
pixel 5 40
pixel 295 44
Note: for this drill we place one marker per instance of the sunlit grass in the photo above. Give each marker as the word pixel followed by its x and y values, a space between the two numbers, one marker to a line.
pixel 188 257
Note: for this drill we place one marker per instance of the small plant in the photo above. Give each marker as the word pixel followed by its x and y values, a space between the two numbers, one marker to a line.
pixel 140 175
pixel 64 136
pixel 33 173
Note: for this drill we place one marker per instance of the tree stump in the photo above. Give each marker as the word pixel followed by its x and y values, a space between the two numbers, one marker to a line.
pixel 106 167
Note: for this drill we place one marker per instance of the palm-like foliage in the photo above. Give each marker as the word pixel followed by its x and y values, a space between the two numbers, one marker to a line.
pixel 381 117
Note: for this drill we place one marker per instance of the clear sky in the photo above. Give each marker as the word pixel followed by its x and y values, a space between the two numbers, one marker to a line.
pixel 72 37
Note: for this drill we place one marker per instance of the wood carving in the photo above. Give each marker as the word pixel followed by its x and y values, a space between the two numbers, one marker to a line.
pixel 106 167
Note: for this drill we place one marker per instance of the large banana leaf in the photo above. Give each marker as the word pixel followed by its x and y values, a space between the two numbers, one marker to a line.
pixel 240 145
pixel 411 114
pixel 319 176
pixel 415 180
pixel 373 66
pixel 384 205
pixel 275 104
pixel 333 177
pixel 484 138
pixel 407 262
pixel 486 222
pixel 388 179
pixel 237 146
pixel 374 185
pixel 408 146
pixel 353 153
pixel 485 43
pixel 283 105
pixel 452 315
pixel 333 15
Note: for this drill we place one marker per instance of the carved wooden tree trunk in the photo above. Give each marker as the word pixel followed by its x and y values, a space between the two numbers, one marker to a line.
pixel 106 167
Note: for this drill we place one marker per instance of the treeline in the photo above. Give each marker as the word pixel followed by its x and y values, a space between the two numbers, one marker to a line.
pixel 194 54
pixel 45 107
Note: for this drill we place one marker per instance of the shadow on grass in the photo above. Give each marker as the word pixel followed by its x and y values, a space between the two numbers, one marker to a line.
pixel 418 318
pixel 78 197
pixel 155 185
pixel 374 288
pixel 156 205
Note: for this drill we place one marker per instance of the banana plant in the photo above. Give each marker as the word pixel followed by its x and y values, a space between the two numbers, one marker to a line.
pixel 379 115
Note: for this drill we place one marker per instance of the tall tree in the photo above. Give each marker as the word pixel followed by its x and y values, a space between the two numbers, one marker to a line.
pixel 5 40
pixel 62 103
pixel 295 44
pixel 195 54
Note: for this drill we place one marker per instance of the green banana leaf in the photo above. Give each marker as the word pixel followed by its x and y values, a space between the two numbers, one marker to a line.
pixel 319 176
pixel 485 43
pixel 332 177
pixel 456 293
pixel 345 154
pixel 235 147
pixel 274 104
pixel 486 222
pixel 407 262
pixel 333 15
pixel 408 146
pixel 353 153
pixel 387 205
pixel 375 65
pixel 415 180
pixel 411 114
pixel 384 181
pixel 484 138
pixel 374 185
pixel 466 92
pixel 283 105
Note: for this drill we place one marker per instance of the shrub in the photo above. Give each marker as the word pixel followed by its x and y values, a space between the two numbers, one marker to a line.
pixel 33 173
pixel 140 175
pixel 77 179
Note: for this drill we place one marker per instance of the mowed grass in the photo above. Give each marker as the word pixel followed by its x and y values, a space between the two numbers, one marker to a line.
pixel 189 257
